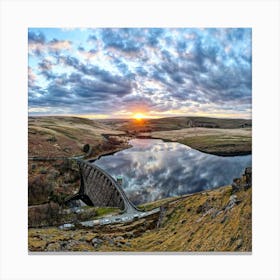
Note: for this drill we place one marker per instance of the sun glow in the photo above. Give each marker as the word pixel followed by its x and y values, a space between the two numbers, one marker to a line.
pixel 139 116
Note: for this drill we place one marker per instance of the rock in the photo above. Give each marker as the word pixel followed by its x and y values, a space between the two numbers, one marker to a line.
pixel 118 238
pixel 217 213
pixel 78 210
pixel 74 204
pixel 230 205
pixel 74 245
pixel 199 209
pixel 223 219
pixel 248 170
pixel 96 242
pixel 204 207
pixel 129 234
pixel 208 212
pixel 235 186
pixel 63 245
pixel 239 243
pixel 53 247
pixel 243 183
pixel 183 221
pixel 232 202
pixel 110 240
pixel 37 244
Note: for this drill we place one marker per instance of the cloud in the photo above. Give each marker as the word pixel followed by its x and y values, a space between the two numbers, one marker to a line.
pixel 56 45
pixel 45 64
pixel 88 55
pixel 124 39
pixel 153 69
pixel 38 45
pixel 31 77
pixel 36 37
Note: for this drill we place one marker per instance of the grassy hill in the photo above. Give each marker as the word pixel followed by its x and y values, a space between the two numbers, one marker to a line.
pixel 218 141
pixel 175 123
pixel 64 136
pixel 213 220
pixel 224 137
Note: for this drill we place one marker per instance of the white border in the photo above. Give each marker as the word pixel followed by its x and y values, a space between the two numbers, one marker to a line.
pixel 262 16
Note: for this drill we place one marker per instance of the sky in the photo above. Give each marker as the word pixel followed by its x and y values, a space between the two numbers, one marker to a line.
pixel 156 72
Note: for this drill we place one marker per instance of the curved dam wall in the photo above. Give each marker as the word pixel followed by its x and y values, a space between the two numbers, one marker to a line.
pixel 98 188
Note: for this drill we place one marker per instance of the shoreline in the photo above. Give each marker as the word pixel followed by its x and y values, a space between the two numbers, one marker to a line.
pixel 108 153
pixel 222 153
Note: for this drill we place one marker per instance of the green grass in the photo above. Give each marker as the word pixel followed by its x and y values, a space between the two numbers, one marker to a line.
pixel 223 145
pixel 102 211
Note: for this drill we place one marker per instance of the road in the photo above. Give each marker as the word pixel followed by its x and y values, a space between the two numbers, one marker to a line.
pixel 122 218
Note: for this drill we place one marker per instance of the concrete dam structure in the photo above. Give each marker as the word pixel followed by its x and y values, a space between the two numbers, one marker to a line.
pixel 98 188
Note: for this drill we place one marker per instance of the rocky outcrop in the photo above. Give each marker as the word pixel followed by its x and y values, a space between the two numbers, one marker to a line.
pixel 243 183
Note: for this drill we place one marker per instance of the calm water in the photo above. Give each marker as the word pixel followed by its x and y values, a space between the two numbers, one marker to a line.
pixel 153 169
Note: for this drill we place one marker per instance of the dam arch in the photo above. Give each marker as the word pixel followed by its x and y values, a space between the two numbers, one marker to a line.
pixel 98 188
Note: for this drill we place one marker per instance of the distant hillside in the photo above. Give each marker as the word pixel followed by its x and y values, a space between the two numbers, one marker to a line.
pixel 175 123
pixel 48 121
pixel 55 136
pixel 58 136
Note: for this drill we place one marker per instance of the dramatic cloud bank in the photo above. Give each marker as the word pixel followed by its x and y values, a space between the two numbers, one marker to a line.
pixel 159 72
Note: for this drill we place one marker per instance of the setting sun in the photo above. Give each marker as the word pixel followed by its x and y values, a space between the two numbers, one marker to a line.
pixel 138 116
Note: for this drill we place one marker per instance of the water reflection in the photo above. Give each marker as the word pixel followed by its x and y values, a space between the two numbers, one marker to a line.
pixel 153 169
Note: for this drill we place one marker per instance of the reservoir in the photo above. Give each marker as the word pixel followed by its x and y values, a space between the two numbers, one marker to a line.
pixel 153 169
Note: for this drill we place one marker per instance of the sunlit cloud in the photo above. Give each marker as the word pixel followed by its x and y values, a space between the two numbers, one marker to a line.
pixel 158 72
pixel 55 45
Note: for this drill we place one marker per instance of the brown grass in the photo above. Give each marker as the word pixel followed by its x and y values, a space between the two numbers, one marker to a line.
pixel 196 223
pixel 64 136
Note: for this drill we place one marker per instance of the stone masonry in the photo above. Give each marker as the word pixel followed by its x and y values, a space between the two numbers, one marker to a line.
pixel 99 189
